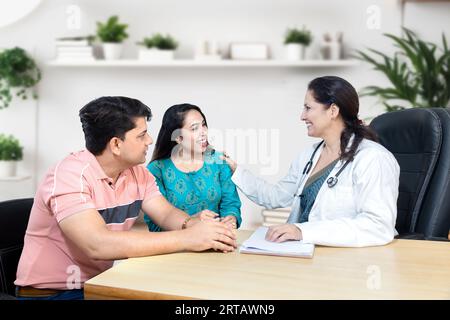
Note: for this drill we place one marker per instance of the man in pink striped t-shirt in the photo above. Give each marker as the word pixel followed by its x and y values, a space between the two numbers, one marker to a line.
pixel 85 206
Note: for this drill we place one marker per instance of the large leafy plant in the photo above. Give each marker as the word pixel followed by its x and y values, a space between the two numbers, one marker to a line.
pixel 10 148
pixel 17 70
pixel 419 73
pixel 112 30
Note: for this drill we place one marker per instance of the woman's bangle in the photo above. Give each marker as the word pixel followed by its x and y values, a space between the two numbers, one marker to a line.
pixel 184 225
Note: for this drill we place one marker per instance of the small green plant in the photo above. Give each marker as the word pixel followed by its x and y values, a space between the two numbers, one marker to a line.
pixel 10 148
pixel 160 42
pixel 17 70
pixel 112 30
pixel 294 35
pixel 419 73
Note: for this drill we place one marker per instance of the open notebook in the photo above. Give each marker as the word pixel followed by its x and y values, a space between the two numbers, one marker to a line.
pixel 257 244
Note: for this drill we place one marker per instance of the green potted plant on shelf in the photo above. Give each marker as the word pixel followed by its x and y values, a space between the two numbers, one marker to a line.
pixel 19 73
pixel 10 153
pixel 112 34
pixel 296 41
pixel 419 73
pixel 157 47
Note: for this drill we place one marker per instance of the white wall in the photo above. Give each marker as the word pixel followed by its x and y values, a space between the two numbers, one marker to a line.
pixel 231 98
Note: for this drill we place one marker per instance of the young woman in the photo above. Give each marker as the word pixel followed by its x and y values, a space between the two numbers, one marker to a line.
pixel 189 172
pixel 343 190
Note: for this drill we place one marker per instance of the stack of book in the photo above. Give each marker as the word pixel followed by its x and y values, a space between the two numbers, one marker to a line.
pixel 275 216
pixel 76 48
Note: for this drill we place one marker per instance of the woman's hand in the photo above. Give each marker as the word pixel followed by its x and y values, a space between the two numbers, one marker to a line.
pixel 231 163
pixel 230 221
pixel 205 215
pixel 283 232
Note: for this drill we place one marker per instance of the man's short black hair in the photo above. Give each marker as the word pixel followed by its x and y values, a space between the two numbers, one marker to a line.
pixel 108 117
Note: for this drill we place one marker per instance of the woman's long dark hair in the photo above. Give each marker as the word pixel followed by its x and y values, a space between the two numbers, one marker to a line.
pixel 173 119
pixel 330 89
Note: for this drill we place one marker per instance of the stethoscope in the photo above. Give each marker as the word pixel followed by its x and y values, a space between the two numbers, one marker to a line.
pixel 331 181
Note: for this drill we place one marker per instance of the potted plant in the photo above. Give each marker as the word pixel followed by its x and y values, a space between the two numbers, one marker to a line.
pixel 157 47
pixel 296 41
pixel 419 73
pixel 18 72
pixel 111 34
pixel 10 153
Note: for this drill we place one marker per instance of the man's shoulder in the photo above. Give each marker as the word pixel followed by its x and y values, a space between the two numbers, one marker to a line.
pixel 64 175
pixel 75 162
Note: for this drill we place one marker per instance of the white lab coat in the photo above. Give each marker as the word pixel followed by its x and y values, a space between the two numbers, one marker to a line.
pixel 360 210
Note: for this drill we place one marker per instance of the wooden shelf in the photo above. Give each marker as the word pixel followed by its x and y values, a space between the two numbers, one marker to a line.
pixel 426 0
pixel 205 64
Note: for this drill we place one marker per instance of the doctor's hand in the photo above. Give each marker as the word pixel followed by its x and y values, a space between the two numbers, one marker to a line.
pixel 231 163
pixel 283 232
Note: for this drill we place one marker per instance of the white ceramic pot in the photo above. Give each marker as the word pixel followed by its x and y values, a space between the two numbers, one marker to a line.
pixel 155 54
pixel 112 51
pixel 8 168
pixel 295 51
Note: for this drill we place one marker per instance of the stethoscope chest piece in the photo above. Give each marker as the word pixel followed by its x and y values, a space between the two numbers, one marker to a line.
pixel 332 181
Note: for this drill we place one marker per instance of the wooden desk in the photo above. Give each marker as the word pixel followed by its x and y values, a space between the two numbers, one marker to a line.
pixel 404 269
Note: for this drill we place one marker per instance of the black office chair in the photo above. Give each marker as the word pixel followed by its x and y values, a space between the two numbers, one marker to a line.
pixel 434 218
pixel 14 215
pixel 419 140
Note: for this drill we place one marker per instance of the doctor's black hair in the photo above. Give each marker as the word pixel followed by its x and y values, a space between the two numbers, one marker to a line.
pixel 173 120
pixel 107 117
pixel 331 89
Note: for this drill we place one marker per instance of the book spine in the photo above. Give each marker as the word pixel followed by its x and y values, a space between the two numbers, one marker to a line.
pixel 74 43
pixel 269 224
pixel 275 214
pixel 275 220
pixel 74 49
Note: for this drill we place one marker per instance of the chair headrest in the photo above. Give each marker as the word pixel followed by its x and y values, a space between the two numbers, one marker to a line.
pixel 409 131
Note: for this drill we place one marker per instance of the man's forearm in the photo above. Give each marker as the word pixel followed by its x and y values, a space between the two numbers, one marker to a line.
pixel 112 245
pixel 174 219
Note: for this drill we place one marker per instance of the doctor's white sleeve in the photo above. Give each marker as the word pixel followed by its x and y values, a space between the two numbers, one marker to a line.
pixel 265 194
pixel 375 183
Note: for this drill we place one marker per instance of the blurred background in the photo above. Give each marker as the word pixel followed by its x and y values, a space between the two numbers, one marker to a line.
pixel 230 59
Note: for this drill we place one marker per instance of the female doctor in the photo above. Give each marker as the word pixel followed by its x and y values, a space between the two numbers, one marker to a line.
pixel 342 190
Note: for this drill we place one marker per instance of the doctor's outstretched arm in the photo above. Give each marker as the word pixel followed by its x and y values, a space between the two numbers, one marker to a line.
pixel 260 191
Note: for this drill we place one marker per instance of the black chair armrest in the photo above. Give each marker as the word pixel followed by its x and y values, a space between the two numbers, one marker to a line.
pixel 411 236
pixel 437 239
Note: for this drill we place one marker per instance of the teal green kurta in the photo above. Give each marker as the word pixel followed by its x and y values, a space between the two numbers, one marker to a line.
pixel 210 188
